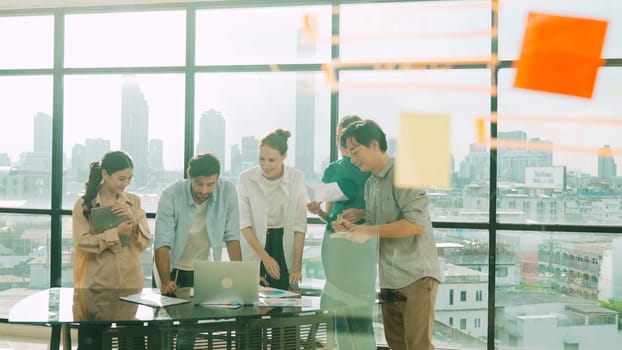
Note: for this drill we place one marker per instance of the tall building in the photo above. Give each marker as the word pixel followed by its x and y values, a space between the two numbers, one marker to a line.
pixel 305 111
pixel 156 155
pixel 236 160
pixel 135 128
pixel 212 135
pixel 42 133
pixel 78 161
pixel 250 152
pixel 82 155
pixel 94 149
pixel 5 160
pixel 520 153
pixel 391 146
pixel 607 167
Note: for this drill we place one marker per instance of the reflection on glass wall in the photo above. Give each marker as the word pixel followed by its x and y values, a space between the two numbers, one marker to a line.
pixel 24 251
pixel 25 141
pixel 296 34
pixel 146 257
pixel 419 31
pixel 513 20
pixel 567 293
pixel 462 297
pixel 141 114
pixel 556 162
pixel 558 156
pixel 235 110
pixel 385 95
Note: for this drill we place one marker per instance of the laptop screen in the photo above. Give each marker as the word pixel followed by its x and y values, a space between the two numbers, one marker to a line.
pixel 226 282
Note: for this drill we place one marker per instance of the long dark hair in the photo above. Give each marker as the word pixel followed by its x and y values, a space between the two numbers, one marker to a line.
pixel 111 162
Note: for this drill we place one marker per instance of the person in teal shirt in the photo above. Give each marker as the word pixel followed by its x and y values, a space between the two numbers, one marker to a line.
pixel 350 267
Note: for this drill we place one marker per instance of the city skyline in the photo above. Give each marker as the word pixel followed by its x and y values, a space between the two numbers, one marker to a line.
pixel 83 153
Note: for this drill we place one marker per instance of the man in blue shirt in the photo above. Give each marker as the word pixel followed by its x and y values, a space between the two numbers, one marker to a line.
pixel 194 217
pixel 409 265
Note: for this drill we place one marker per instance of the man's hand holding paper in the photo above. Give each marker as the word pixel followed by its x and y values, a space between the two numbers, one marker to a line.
pixel 353 214
pixel 347 230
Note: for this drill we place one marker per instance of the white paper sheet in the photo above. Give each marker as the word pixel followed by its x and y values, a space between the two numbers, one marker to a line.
pixel 329 192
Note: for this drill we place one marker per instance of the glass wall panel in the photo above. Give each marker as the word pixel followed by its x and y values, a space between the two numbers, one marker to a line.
pixel 558 155
pixel 565 295
pixel 462 299
pixel 26 141
pixel 235 110
pixel 513 20
pixel 125 39
pixel 461 94
pixel 24 251
pixel 27 42
pixel 419 31
pixel 142 115
pixel 313 276
pixel 271 35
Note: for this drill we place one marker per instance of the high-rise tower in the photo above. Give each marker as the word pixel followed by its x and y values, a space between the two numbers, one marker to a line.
pixel 304 135
pixel 607 167
pixel 43 133
pixel 135 128
pixel 212 135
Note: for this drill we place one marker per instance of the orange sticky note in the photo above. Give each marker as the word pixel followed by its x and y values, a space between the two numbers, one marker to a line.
pixel 560 54
pixel 309 27
pixel 481 131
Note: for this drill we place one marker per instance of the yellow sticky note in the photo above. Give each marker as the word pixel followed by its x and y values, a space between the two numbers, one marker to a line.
pixel 422 157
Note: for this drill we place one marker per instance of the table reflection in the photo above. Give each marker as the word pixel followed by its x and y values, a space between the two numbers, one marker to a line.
pixel 103 305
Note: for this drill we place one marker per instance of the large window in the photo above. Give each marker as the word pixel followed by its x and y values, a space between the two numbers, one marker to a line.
pixel 270 35
pixel 26 41
pixel 26 141
pixel 235 110
pixel 141 114
pixel 463 95
pixel 125 39
pixel 535 217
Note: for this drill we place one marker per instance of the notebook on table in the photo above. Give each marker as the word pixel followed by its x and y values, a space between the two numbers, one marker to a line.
pixel 226 282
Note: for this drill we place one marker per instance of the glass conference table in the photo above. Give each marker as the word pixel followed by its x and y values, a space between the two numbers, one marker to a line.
pixel 129 325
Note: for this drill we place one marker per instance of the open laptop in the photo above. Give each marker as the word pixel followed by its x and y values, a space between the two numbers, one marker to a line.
pixel 226 282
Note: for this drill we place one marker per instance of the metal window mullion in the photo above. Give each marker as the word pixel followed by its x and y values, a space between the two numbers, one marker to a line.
pixel 56 228
pixel 190 87
pixel 334 95
pixel 492 205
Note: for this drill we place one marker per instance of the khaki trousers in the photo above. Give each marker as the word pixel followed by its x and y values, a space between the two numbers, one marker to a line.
pixel 408 324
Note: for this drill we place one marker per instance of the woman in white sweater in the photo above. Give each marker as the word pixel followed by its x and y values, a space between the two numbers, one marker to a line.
pixel 273 213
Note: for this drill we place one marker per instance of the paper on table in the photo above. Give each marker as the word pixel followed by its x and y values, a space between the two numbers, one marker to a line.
pixel 284 302
pixel 231 305
pixel 269 292
pixel 153 299
pixel 329 192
